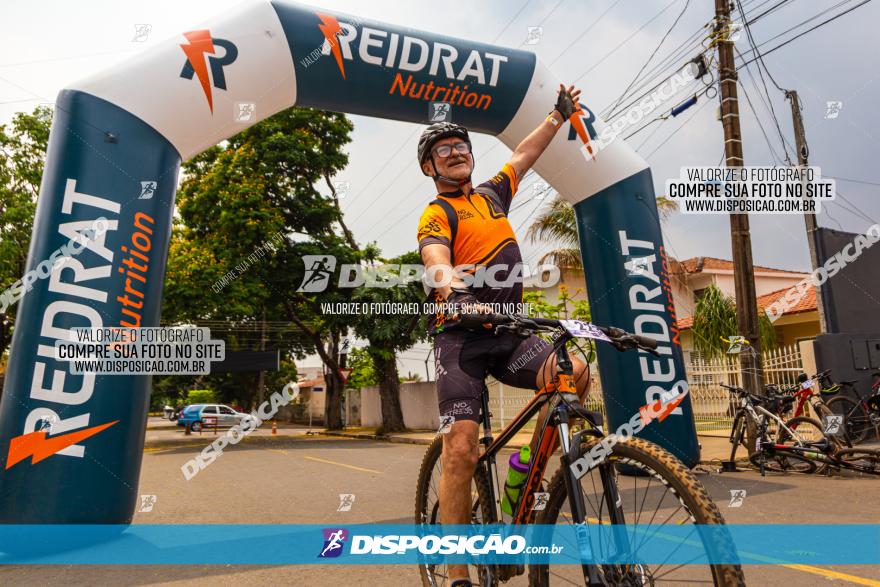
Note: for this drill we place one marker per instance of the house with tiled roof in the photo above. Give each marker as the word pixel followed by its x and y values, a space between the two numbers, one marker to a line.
pixel 690 277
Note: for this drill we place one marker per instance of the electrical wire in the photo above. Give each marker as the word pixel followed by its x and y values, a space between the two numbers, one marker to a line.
pixel 853 180
pixel 685 123
pixel 761 64
pixel 773 153
pixel 653 53
pixel 821 24
pixel 583 34
pixel 624 42
pixel 772 113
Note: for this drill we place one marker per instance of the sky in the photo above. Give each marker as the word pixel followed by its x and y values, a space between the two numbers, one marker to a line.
pixel 45 45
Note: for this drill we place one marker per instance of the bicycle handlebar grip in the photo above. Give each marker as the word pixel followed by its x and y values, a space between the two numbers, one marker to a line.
pixel 648 343
pixel 474 319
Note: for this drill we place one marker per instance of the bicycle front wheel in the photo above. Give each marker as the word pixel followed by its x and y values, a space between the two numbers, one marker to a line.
pixel 783 462
pixel 662 492
pixel 861 460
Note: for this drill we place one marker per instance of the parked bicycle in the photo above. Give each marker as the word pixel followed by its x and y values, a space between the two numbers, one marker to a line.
pixel 756 413
pixel 861 417
pixel 792 451
pixel 805 394
pixel 656 479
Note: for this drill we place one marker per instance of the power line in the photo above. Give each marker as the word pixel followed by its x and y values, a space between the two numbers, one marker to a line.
pixel 583 34
pixel 761 127
pixel 625 41
pixel 769 105
pixel 510 22
pixel 387 161
pixel 761 64
pixel 766 12
pixel 799 35
pixel 666 116
pixel 653 53
pixel 683 124
pixel 677 54
pixel 854 180
pixel 543 20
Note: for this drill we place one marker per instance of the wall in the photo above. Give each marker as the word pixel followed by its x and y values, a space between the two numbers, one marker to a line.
pixel 418 401
pixel 789 333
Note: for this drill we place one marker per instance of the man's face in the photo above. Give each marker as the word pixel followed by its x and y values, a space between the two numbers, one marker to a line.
pixel 456 166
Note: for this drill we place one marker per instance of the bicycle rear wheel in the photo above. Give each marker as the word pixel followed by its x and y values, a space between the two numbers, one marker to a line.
pixel 856 420
pixel 806 430
pixel 663 493
pixel 861 459
pixel 428 512
pixel 783 462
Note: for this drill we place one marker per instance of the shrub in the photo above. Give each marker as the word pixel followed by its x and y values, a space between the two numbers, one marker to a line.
pixel 201 396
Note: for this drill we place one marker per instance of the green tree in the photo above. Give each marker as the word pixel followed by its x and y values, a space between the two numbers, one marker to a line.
pixel 390 333
pixel 566 308
pixel 257 188
pixel 363 374
pixel 201 396
pixel 22 154
pixel 715 323
pixel 557 224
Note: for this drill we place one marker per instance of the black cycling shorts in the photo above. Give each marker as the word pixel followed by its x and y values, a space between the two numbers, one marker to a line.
pixel 464 358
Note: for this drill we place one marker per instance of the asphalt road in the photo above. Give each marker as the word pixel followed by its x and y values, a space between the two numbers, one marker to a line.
pixel 298 480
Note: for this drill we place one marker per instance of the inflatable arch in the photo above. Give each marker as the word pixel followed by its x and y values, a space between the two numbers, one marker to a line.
pixel 117 142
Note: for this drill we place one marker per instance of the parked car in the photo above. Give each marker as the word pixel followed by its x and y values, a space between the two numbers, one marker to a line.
pixel 196 414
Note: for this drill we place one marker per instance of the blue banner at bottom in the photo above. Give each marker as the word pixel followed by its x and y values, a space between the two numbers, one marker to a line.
pixel 570 544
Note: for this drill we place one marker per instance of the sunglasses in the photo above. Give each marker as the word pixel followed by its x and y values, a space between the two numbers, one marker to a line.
pixel 444 151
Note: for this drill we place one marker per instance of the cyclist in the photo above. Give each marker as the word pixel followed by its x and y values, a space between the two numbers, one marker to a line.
pixel 469 226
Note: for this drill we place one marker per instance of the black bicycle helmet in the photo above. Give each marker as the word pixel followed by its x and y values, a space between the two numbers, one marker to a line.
pixel 432 134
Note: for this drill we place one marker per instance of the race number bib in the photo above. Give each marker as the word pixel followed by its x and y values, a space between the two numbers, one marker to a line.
pixel 581 329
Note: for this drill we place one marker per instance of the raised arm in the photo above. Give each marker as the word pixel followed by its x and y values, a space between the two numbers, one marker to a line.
pixel 528 151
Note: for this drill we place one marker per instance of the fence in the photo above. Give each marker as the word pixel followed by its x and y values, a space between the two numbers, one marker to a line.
pixel 505 402
pixel 712 407
pixel 711 402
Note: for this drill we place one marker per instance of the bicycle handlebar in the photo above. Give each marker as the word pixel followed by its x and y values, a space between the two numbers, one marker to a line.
pixel 620 339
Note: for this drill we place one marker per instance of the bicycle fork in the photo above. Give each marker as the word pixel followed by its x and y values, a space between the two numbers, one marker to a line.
pixel 570 451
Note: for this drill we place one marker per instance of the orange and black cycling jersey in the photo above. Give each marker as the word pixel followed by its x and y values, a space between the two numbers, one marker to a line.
pixel 484 238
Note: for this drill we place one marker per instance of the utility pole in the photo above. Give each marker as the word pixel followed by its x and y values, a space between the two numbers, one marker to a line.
pixel 803 153
pixel 743 271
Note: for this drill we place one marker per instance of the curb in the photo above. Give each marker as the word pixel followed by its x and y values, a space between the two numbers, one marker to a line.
pixel 198 440
pixel 380 437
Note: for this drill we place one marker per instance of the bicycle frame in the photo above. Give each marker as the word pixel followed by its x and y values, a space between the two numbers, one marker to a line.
pixel 560 395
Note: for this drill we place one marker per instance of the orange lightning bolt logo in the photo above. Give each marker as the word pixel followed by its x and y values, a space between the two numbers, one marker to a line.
pixel 330 27
pixel 200 42
pixel 577 123
pixel 659 410
pixel 36 445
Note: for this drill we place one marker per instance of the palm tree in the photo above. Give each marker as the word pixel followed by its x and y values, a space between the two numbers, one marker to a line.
pixel 715 321
pixel 558 224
